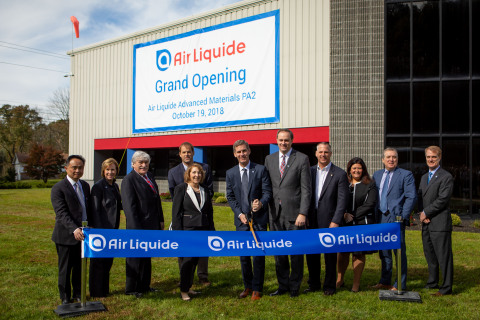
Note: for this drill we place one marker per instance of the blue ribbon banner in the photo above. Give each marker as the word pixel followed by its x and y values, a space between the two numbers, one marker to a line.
pixel 109 243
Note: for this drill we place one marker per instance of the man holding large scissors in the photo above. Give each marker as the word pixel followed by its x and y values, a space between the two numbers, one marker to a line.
pixel 248 192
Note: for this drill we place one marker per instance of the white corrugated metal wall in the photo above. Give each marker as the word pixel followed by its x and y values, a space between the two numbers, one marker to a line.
pixel 101 88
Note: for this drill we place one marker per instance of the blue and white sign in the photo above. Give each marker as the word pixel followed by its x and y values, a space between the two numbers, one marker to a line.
pixel 104 243
pixel 223 75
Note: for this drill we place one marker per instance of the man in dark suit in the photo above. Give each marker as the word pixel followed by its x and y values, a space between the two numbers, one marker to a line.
pixel 289 172
pixel 397 197
pixel 175 177
pixel 249 190
pixel 434 194
pixel 70 198
pixel 143 210
pixel 329 203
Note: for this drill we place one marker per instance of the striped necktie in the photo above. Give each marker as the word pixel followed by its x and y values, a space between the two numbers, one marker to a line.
pixel 282 166
pixel 150 184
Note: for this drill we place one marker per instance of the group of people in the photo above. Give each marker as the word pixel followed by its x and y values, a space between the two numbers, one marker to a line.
pixel 285 193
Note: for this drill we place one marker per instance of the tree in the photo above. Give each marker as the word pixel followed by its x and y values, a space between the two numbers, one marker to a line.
pixel 43 162
pixel 17 125
pixel 53 134
pixel 60 103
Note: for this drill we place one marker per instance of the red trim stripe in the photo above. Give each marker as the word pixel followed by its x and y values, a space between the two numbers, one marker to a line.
pixel 253 137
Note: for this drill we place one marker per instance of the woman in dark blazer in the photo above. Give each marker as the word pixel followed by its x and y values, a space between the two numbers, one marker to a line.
pixel 361 209
pixel 106 205
pixel 191 210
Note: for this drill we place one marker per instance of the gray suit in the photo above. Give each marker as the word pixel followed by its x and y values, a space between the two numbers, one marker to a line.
pixel 291 196
pixel 433 200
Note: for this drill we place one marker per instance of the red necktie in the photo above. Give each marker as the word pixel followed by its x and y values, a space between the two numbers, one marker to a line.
pixel 150 184
pixel 282 166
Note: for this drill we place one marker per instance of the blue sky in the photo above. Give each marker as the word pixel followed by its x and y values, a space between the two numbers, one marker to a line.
pixel 46 25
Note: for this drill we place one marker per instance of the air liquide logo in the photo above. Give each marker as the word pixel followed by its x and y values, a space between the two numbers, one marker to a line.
pixel 215 243
pixel 164 59
pixel 327 239
pixel 97 242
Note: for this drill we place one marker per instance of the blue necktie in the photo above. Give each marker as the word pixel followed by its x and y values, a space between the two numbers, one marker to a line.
pixel 383 198
pixel 245 202
pixel 430 175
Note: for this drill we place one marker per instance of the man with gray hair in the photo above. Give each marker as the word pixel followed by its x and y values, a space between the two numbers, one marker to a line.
pixel 143 210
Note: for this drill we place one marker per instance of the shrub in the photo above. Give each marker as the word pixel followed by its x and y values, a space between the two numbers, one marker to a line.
pixel 217 194
pixel 221 199
pixel 23 185
pixel 165 195
pixel 456 221
pixel 50 184
pixel 8 185
pixel 41 185
pixel 476 224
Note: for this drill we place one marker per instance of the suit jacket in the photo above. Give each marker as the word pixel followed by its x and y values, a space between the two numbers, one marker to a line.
pixel 105 205
pixel 333 200
pixel 175 177
pixel 293 190
pixel 401 196
pixel 259 187
pixel 364 203
pixel 434 199
pixel 142 207
pixel 187 213
pixel 68 211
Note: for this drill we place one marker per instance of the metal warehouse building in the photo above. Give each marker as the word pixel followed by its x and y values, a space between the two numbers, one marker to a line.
pixel 360 74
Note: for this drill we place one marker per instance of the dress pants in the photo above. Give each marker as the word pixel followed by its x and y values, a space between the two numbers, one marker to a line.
pixel 437 247
pixel 202 268
pixel 287 281
pixel 387 264
pixel 187 272
pixel 314 266
pixel 253 278
pixel 69 263
pixel 139 275
pixel 99 280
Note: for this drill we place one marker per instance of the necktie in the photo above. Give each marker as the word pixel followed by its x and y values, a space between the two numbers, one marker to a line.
pixel 282 166
pixel 430 174
pixel 245 202
pixel 79 193
pixel 150 184
pixel 383 198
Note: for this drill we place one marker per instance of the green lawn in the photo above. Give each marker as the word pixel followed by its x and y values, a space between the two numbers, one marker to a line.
pixel 28 277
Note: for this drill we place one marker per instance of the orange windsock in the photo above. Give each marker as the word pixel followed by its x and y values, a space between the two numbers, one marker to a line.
pixel 76 25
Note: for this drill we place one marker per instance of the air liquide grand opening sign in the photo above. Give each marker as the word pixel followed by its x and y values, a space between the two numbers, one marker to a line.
pixel 222 75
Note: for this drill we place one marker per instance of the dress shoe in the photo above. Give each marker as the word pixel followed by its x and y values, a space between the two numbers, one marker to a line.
pixel 437 294
pixel 193 293
pixel 430 287
pixel 382 286
pixel 153 290
pixel 311 289
pixel 393 289
pixel 328 292
pixel 77 299
pixel 65 301
pixel 245 293
pixel 279 292
pixel 205 282
pixel 256 295
pixel 184 296
pixel 293 293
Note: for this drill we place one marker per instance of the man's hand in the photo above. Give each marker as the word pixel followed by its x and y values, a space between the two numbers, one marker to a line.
pixel 78 234
pixel 348 217
pixel 256 205
pixel 333 225
pixel 301 220
pixel 243 218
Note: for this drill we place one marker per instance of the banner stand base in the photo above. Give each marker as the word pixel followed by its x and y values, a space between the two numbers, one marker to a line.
pixel 76 309
pixel 405 296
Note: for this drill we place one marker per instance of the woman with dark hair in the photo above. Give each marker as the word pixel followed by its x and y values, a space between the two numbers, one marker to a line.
pixel 191 210
pixel 106 205
pixel 363 198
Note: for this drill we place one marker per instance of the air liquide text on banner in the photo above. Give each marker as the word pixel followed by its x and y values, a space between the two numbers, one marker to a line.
pixel 103 243
pixel 217 76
